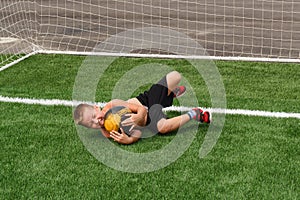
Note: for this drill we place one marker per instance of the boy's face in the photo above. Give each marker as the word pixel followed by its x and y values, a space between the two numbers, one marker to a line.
pixel 93 118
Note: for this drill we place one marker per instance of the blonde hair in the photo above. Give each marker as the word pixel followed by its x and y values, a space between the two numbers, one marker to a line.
pixel 79 110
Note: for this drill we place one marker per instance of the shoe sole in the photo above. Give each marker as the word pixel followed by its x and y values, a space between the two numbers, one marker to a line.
pixel 210 117
pixel 181 94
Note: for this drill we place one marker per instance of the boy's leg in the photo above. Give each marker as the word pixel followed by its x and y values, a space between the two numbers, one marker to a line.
pixel 167 125
pixel 158 97
pixel 173 79
pixel 172 124
pixel 160 93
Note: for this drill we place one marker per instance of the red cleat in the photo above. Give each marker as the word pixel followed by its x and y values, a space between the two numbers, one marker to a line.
pixel 179 91
pixel 203 117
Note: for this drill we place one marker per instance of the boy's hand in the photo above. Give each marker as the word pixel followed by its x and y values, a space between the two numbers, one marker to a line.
pixel 132 121
pixel 121 138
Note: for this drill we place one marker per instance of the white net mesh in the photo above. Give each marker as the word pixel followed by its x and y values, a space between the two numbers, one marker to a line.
pixel 226 28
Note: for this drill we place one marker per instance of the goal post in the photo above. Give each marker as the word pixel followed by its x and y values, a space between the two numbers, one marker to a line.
pixel 259 30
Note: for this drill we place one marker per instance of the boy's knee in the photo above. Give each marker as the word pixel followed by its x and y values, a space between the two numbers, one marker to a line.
pixel 173 79
pixel 175 75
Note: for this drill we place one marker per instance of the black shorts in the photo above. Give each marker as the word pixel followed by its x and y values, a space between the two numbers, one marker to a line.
pixel 156 98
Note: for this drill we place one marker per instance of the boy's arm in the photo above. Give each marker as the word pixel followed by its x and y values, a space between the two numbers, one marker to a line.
pixel 139 118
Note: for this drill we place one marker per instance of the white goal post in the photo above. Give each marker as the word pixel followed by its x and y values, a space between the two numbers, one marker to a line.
pixel 259 30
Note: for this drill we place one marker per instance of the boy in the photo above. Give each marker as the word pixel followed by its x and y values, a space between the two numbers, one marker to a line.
pixel 146 111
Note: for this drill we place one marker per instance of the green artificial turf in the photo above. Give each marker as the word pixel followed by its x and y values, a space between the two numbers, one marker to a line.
pixel 43 157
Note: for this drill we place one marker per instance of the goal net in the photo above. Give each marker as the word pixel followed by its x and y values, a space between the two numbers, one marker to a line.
pixel 226 29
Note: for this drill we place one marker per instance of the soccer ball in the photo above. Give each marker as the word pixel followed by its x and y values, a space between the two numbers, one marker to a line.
pixel 113 118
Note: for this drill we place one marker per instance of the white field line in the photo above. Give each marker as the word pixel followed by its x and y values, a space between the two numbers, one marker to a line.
pixel 46 102
pixel 253 59
pixel 53 102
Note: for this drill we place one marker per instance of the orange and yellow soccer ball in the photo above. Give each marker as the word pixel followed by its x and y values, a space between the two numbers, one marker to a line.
pixel 113 118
